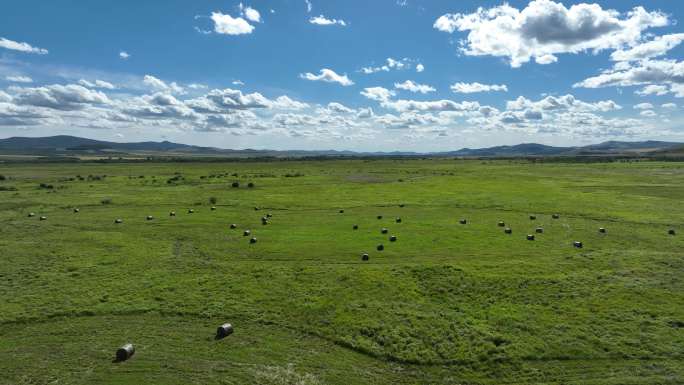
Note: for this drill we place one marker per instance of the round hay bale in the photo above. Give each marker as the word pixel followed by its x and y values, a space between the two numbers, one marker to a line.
pixel 43 218
pixel 401 205
pixel 118 220
pixel 508 230
pixel 246 233
pixel 577 244
pixel 602 230
pixel 379 216
pixel 213 208
pixel 555 216
pixel 501 224
pixel 341 211
pixel 380 247
pixel 149 217
pixel 233 226
pixel 539 230
pixel 671 231
pixel 269 215
pixel 235 184
pixel 224 331
pixel 76 210
pixel 533 217
pixel 256 208
pixel 393 238
pixel 355 227
pixel 190 211
pixel 250 184
pixel 463 221
pixel 530 237
pixel 172 214
pixel 398 220
pixel 253 240
pixel 364 257
pixel 125 352
pixel 383 231
pixel 31 214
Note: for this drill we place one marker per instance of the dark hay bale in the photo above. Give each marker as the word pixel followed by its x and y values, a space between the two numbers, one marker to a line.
pixel 398 220
pixel 190 211
pixel 213 208
pixel 235 184
pixel 172 214
pixel 602 230
pixel 393 238
pixel 508 230
pixel 501 224
pixel 125 352
pixel 118 220
pixel 253 240
pixel 671 231
pixel 539 230
pixel 530 237
pixel 149 217
pixel 250 185
pixel 383 231
pixel 341 211
pixel 555 216
pixel 269 215
pixel 364 257
pixel 380 247
pixel 463 221
pixel 379 216
pixel 224 331
pixel 76 210
pixel 401 205
pixel 355 227
pixel 577 244
pixel 43 218
pixel 31 214
pixel 246 233
pixel 533 217
pixel 233 226
pixel 256 208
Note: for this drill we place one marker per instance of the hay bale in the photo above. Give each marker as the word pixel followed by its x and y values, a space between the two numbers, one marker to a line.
pixel 533 217
pixel 118 220
pixel 530 237
pixel 379 216
pixel 235 184
pixel 172 214
pixel 250 184
pixel 364 257
pixel 380 247
pixel 463 221
pixel 393 238
pixel 253 240
pixel 401 205
pixel 555 216
pixel 501 224
pixel 149 217
pixel 43 218
pixel 224 331
pixel 213 208
pixel 355 227
pixel 246 233
pixel 341 211
pixel 256 208
pixel 125 352
pixel 269 215
pixel 508 230
pixel 383 231
pixel 671 231
pixel 602 230
pixel 577 244
pixel 76 210
pixel 31 215
pixel 233 226
pixel 190 211
pixel 398 220
pixel 539 230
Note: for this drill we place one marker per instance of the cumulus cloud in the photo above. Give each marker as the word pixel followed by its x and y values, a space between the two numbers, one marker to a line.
pixel 403 105
pixel 97 84
pixel 160 85
pixel 329 76
pixel 124 55
pixel 670 106
pixel 659 46
pixel 652 89
pixel 648 113
pixel 285 103
pixel 228 25
pixel 391 64
pixel 379 94
pixel 322 20
pixel 565 102
pixel 420 67
pixel 339 108
pixel 309 7
pixel 59 97
pixel 409 85
pixel 250 13
pixel 19 79
pixel 643 106
pixel 21 47
pixel 644 72
pixel 544 29
pixel 469 88
pixel 237 83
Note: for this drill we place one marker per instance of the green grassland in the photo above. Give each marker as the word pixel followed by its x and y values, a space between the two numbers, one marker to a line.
pixel 445 304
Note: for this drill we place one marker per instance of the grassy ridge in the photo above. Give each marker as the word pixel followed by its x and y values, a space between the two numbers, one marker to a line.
pixel 446 303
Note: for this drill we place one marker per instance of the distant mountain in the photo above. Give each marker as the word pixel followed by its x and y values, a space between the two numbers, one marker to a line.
pixel 72 145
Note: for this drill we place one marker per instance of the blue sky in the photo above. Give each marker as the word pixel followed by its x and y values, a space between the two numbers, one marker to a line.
pixel 358 75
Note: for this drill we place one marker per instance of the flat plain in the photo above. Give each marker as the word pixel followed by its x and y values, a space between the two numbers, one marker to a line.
pixel 447 303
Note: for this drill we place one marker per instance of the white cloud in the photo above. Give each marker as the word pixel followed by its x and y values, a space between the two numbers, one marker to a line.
pixel 197 86
pixel 545 29
pixel 59 97
pixel 124 55
pixel 238 83
pixel 652 89
pixel 284 102
pixel 19 79
pixel 339 108
pixel 322 20
pixel 308 5
pixel 561 103
pixel 160 85
pixel 97 84
pixel 654 48
pixel 670 106
pixel 228 25
pixel 392 64
pixel 20 46
pixel 328 75
pixel 420 67
pixel 409 85
pixel 644 72
pixel 250 13
pixel 648 113
pixel 643 106
pixel 379 94
pixel 468 88
pixel 431 106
